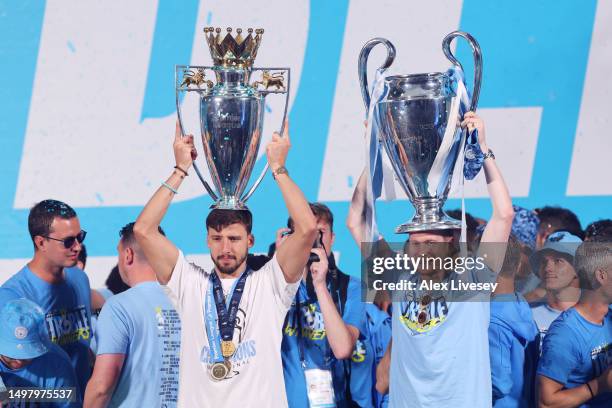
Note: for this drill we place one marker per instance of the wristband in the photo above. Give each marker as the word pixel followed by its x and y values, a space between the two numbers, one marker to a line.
pixel 179 168
pixel 169 187
pixel 280 170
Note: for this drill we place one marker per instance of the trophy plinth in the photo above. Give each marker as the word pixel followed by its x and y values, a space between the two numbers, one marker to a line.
pixel 429 216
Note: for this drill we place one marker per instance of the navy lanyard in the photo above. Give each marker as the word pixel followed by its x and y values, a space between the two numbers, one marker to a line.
pixel 226 317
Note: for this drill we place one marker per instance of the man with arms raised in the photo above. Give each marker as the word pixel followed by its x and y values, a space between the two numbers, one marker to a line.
pixel 439 355
pixel 231 317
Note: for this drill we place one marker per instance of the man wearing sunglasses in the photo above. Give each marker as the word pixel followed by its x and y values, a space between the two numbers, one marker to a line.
pixel 52 281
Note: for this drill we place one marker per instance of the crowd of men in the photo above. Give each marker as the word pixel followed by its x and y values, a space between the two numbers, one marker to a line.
pixel 291 329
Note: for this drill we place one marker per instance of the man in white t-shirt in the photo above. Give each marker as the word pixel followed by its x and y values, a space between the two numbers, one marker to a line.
pixel 231 317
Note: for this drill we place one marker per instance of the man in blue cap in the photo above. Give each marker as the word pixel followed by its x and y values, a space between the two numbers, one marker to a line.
pixel 554 263
pixel 27 357
pixel 525 229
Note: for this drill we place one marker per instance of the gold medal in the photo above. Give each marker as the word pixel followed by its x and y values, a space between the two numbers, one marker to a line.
pixel 220 370
pixel 227 348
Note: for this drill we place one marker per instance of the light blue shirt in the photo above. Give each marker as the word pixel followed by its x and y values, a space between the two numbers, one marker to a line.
pixel 142 324
pixel 544 315
pixel 445 361
pixel 316 346
pixel 67 308
pixel 52 370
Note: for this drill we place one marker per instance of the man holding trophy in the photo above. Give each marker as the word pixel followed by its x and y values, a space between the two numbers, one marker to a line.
pixel 439 351
pixel 231 317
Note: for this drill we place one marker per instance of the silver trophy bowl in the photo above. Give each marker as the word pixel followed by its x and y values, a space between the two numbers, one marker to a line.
pixel 231 112
pixel 412 116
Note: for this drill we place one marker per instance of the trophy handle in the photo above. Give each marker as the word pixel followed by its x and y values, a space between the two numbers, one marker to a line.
pixel 249 193
pixel 362 67
pixel 476 52
pixel 178 91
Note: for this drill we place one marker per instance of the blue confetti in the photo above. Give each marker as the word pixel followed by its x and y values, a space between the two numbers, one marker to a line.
pixel 71 46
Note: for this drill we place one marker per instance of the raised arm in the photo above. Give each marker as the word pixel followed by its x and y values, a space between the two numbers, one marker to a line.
pixel 356 223
pixel 160 252
pixel 340 335
pixel 498 227
pixel 293 254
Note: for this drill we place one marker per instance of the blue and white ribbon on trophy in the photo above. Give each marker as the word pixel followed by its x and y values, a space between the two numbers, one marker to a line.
pixel 379 175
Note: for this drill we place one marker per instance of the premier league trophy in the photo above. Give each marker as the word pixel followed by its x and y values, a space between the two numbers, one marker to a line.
pixel 231 111
pixel 412 116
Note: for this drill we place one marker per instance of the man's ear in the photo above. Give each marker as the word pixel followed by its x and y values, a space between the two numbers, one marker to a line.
pixel 332 240
pixel 251 239
pixel 40 242
pixel 602 276
pixel 129 256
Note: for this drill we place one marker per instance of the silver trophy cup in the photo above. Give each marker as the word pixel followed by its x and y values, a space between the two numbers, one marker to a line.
pixel 231 111
pixel 412 117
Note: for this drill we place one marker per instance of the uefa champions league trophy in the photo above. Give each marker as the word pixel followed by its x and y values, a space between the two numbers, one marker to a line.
pixel 231 111
pixel 412 116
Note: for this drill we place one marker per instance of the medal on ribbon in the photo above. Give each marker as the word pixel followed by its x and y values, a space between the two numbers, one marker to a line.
pixel 220 328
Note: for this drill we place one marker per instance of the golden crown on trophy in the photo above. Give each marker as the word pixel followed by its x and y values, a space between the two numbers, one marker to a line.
pixel 230 51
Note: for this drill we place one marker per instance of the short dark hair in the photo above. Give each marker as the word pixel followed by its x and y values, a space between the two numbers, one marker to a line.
pixel 470 221
pixel 126 235
pixel 600 231
pixel 218 219
pixel 42 214
pixel 82 257
pixel 559 219
pixel 321 213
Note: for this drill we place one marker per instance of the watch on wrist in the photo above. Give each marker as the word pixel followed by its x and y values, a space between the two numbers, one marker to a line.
pixel 280 170
pixel 489 154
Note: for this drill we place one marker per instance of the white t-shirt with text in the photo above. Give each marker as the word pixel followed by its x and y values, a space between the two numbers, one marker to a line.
pixel 256 378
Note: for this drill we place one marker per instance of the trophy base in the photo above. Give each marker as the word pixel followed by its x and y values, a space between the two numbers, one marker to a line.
pixel 429 217
pixel 229 203
pixel 446 223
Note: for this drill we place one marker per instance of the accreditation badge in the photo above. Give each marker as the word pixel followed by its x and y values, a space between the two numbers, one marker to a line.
pixel 320 388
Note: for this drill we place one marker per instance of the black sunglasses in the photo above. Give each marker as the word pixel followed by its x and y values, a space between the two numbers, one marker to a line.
pixel 69 242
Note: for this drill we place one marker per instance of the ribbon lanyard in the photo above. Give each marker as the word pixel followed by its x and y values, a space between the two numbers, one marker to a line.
pixel 224 315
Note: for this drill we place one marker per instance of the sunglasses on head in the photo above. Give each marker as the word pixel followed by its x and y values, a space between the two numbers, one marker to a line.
pixel 69 242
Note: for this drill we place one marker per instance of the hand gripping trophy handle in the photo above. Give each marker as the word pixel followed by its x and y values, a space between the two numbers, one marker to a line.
pixel 363 64
pixel 259 179
pixel 476 52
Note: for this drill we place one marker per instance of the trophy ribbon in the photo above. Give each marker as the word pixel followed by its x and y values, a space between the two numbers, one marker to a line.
pixel 377 177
